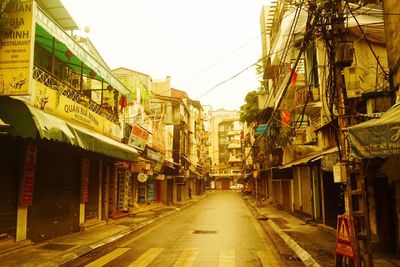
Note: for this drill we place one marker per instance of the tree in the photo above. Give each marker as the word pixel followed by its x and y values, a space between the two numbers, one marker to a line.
pixel 249 111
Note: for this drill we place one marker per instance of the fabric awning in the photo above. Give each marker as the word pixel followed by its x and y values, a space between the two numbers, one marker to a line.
pixel 376 137
pixel 29 122
pixel 96 142
pixel 301 161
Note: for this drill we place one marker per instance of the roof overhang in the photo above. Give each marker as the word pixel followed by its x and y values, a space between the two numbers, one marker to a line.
pixel 56 10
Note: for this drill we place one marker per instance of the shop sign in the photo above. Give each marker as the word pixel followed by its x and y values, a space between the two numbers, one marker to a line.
pixel 160 177
pixel 28 175
pixel 142 177
pixel 158 166
pixel 123 190
pixel 157 140
pixel 85 180
pixel 17 48
pixel 53 102
pixel 138 137
pixel 138 166
pixel 154 156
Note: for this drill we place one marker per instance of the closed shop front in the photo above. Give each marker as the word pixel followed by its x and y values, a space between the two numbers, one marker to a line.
pixel 9 181
pixel 55 206
pixel 92 205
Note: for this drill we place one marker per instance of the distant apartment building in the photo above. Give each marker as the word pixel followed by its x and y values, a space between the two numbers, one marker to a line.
pixel 225 150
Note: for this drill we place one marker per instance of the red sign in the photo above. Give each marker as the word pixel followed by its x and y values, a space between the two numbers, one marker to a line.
pixel 28 175
pixel 138 137
pixel 343 233
pixel 85 180
pixel 346 243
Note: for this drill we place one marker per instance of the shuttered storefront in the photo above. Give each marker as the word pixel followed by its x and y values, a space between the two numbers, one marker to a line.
pixel 55 208
pixel 9 181
pixel 92 206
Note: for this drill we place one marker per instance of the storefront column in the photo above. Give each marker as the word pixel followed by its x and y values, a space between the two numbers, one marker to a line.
pixel 106 193
pixel 100 200
pixel 22 220
pixel 81 213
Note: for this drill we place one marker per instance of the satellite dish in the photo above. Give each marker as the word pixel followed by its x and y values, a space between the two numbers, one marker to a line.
pixel 142 177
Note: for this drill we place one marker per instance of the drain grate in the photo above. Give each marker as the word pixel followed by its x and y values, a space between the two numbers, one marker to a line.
pixel 59 247
pixel 204 232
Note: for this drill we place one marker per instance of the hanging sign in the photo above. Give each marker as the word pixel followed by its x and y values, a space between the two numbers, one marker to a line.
pixel 138 137
pixel 28 175
pixel 85 180
pixel 142 177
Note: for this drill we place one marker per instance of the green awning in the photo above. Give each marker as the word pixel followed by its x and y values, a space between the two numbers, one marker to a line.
pixel 29 122
pixel 46 29
pixel 96 142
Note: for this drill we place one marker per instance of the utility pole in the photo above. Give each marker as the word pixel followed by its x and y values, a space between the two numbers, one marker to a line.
pixel 355 192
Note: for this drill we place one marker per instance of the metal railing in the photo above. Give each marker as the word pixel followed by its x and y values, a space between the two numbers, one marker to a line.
pixel 54 83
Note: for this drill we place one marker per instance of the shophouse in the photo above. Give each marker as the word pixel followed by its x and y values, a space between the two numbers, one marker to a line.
pixel 306 118
pixel 143 128
pixel 60 135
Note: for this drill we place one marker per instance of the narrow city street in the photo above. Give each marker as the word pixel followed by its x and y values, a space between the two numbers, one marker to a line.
pixel 218 231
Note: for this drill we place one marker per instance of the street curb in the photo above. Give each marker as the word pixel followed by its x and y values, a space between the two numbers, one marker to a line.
pixel 305 257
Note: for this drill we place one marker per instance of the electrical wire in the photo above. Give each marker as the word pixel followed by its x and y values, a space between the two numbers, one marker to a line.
pixel 307 37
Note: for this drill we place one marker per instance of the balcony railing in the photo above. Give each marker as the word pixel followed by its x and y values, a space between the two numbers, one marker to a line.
pixel 303 95
pixel 55 83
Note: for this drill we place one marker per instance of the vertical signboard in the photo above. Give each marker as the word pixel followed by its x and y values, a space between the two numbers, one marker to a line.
pixel 85 180
pixel 28 175
pixel 123 190
pixel 17 48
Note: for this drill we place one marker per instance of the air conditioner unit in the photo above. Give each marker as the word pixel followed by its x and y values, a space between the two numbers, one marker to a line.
pixel 358 80
pixel 311 136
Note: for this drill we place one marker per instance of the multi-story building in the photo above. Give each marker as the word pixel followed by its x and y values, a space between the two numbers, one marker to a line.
pixel 225 150
pixel 311 106
pixel 61 146
pixel 143 129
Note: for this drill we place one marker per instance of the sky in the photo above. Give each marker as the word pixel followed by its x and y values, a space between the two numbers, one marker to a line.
pixel 198 43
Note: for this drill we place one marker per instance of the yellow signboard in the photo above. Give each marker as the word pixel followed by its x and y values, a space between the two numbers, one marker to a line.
pixel 17 47
pixel 54 102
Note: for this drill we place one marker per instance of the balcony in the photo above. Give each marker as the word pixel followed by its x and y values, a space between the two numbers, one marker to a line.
pixel 311 98
pixel 62 87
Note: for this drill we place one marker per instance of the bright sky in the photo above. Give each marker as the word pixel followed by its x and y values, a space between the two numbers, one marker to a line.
pixel 199 43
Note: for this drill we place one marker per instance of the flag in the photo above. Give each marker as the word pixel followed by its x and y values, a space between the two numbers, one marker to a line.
pixel 294 77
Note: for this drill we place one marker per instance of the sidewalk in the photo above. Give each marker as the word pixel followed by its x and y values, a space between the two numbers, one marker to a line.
pixel 313 243
pixel 63 249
